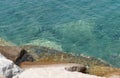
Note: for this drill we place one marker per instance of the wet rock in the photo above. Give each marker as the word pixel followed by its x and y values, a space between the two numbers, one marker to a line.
pixel 7 68
pixel 24 56
pixel 3 42
pixel 103 70
pixel 76 68
pixel 44 54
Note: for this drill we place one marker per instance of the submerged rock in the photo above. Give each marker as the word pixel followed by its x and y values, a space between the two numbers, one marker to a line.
pixel 3 42
pixel 46 43
pixel 7 68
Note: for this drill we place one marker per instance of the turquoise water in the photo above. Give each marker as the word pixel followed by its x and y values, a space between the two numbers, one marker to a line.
pixel 91 27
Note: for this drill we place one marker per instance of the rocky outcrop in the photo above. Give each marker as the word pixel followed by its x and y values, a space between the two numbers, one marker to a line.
pixel 44 54
pixel 7 68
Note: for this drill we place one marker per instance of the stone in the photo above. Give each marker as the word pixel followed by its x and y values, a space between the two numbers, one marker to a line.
pixel 23 57
pixel 76 68
pixel 7 68
pixel 10 52
pixel 54 71
pixel 16 54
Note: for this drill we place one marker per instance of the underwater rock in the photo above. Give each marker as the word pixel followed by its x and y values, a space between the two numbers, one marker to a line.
pixel 46 43
pixel 8 68
pixel 3 42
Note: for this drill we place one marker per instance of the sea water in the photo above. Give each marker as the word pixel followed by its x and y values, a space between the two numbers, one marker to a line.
pixel 91 27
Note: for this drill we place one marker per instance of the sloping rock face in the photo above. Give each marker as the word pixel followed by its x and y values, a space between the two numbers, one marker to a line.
pixel 43 54
pixel 7 68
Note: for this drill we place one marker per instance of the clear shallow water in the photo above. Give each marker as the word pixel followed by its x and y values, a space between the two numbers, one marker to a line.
pixel 91 27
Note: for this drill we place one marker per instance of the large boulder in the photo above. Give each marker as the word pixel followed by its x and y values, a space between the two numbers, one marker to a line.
pixel 10 52
pixel 52 71
pixel 16 54
pixel 7 68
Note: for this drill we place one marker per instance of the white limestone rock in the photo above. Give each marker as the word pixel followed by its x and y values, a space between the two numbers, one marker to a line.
pixel 52 72
pixel 8 68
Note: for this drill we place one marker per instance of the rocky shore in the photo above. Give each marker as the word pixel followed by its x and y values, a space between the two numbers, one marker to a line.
pixel 42 62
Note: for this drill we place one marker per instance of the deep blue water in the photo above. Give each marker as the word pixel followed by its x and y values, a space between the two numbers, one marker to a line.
pixel 91 27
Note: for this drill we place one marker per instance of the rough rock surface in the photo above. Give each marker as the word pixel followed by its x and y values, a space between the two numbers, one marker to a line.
pixel 16 54
pixel 76 68
pixel 24 56
pixel 44 54
pixel 53 72
pixel 103 71
pixel 8 68
pixel 10 52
